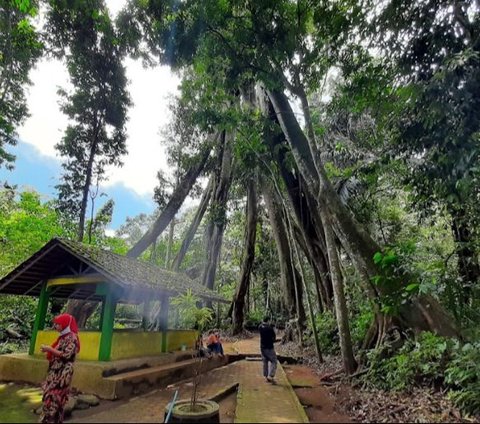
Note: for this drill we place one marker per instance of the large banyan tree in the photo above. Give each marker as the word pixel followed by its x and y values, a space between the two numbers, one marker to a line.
pixel 252 67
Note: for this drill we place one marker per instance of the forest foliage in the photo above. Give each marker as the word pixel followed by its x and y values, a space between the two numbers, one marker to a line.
pixel 332 146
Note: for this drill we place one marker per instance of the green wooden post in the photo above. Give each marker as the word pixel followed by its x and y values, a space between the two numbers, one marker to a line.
pixel 39 317
pixel 102 290
pixel 108 317
pixel 164 304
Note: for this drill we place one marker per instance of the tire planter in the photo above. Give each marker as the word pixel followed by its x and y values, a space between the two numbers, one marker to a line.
pixel 206 411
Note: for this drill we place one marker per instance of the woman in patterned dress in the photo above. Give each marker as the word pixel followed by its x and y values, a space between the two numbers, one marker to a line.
pixel 61 356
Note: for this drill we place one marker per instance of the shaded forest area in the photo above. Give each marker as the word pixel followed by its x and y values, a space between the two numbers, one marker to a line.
pixel 332 147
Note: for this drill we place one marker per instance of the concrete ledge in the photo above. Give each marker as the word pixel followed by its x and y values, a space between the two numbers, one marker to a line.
pixel 142 381
pixel 93 377
pixel 296 401
pixel 223 393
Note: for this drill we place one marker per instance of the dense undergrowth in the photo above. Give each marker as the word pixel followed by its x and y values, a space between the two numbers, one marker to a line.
pixel 429 360
pixel 424 360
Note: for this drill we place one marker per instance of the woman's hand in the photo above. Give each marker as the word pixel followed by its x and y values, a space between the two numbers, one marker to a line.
pixel 45 348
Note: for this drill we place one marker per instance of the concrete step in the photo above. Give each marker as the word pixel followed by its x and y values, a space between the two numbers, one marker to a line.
pixel 147 379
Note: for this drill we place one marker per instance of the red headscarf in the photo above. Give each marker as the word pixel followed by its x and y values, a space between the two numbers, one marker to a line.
pixel 65 321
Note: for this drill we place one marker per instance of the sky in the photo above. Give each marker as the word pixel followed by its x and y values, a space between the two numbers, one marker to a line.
pixel 38 164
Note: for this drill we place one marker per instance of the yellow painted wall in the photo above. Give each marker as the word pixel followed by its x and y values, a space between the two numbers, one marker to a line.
pixel 84 279
pixel 132 344
pixel 89 343
pixel 125 344
pixel 177 338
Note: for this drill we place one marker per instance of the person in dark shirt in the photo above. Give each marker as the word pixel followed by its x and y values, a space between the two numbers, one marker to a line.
pixel 269 357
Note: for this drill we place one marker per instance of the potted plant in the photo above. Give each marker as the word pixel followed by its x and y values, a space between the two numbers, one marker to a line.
pixel 193 410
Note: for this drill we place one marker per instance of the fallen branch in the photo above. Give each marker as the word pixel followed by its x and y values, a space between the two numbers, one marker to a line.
pixel 331 375
pixel 359 373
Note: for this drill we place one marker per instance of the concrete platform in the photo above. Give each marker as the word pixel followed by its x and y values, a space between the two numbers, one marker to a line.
pixel 145 380
pixel 109 380
pixel 257 400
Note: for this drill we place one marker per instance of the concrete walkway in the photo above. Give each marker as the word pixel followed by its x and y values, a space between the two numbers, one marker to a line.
pixel 262 402
pixel 257 400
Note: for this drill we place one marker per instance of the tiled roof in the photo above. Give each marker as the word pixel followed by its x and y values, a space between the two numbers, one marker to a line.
pixel 124 271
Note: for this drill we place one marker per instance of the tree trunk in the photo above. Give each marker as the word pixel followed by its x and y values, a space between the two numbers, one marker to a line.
pixel 309 222
pixel 423 312
pixel 170 243
pixel 248 260
pixel 173 205
pixel 85 190
pixel 319 287
pixel 468 267
pixel 306 213
pixel 197 219
pixel 288 272
pixel 153 252
pixel 341 311
pixel 217 217
pixel 307 294
pixel 81 310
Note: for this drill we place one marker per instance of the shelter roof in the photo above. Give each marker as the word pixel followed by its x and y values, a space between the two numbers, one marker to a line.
pixel 136 279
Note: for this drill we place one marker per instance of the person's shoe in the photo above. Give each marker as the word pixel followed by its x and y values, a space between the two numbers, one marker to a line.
pixel 269 379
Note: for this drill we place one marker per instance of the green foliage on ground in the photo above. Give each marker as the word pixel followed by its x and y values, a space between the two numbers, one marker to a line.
pixel 327 332
pixel 429 360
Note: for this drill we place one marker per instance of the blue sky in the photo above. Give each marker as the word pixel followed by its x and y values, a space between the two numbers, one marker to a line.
pixel 40 172
pixel 132 185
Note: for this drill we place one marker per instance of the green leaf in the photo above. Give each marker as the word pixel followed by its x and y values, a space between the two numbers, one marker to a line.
pixel 377 258
pixel 412 287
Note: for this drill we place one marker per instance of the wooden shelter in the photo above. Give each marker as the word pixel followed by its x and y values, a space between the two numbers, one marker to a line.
pixel 72 270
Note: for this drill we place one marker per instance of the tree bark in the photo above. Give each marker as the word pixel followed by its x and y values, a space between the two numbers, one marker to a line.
pixel 309 222
pixel 81 310
pixel 288 272
pixel 86 188
pixel 192 229
pixel 468 267
pixel 170 243
pixel 361 248
pixel 341 311
pixel 218 204
pixel 306 214
pixel 88 178
pixel 172 207
pixel 248 260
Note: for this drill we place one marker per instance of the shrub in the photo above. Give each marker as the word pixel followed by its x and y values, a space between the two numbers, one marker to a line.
pixel 463 376
pixel 421 362
pixel 191 316
pixel 254 318
pixel 327 332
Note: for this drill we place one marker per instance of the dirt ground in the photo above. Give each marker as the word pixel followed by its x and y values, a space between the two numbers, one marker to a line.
pixel 318 402
pixel 355 403
pixel 227 408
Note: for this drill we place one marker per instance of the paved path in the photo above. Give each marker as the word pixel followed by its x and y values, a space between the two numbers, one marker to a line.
pixel 244 347
pixel 257 400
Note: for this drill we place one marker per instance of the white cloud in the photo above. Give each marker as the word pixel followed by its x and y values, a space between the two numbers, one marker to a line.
pixel 149 89
pixel 46 124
